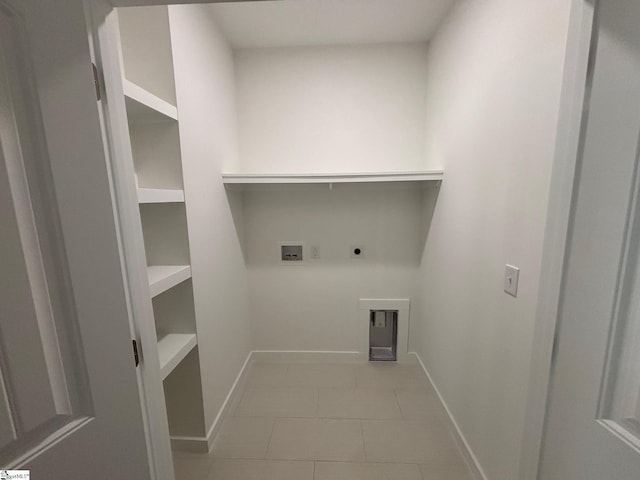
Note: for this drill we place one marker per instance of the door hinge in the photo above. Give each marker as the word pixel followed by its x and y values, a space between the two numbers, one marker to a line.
pixel 96 81
pixel 136 357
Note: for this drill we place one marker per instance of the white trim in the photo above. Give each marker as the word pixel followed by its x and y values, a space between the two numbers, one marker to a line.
pixel 402 305
pixel 189 444
pixel 234 390
pixel 204 444
pixel 555 238
pixel 465 449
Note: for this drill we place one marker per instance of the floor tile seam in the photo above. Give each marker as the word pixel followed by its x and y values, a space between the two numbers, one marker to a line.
pixel 364 444
pixel 367 462
pixel 360 419
pixel 276 415
pixel 273 427
pixel 210 462
pixel 426 422
pixel 395 394
pixel 318 417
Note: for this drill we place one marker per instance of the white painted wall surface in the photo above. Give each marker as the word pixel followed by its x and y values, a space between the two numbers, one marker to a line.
pixel 495 71
pixel 205 92
pixel 315 306
pixel 332 109
pixel 147 55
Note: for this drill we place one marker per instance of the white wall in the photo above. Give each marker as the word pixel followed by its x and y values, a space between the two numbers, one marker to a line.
pixel 146 56
pixel 332 109
pixel 315 306
pixel 495 71
pixel 205 93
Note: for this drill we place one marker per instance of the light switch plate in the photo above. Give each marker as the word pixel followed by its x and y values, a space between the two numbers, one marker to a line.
pixel 511 275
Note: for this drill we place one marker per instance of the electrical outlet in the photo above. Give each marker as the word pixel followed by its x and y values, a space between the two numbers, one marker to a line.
pixel 511 277
pixel 315 252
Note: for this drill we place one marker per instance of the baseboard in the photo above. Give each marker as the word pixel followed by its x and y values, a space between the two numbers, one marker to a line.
pixel 464 447
pixel 189 444
pixel 307 356
pixel 204 444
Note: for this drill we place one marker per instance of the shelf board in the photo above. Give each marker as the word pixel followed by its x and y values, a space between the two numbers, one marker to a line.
pixel 163 277
pixel 172 348
pixel 159 195
pixel 328 178
pixel 144 106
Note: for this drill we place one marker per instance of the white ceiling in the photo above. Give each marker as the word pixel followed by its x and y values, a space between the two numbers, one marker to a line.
pixel 283 23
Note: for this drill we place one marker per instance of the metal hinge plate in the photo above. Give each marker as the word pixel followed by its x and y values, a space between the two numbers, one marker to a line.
pixel 96 81
pixel 136 357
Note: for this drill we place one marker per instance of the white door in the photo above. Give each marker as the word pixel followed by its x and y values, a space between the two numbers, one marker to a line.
pixel 69 399
pixel 593 422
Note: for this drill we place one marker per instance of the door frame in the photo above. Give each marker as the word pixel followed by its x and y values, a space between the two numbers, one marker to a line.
pixel 560 208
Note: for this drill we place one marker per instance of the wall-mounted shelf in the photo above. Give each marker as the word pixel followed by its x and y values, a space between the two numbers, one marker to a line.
pixel 160 195
pixel 163 277
pixel 328 178
pixel 144 106
pixel 172 348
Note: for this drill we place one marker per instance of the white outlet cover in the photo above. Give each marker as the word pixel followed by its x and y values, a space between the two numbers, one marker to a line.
pixel 511 277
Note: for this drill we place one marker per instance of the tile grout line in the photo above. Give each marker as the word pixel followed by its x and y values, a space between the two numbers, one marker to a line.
pixel 273 427
pixel 364 446
pixel 395 394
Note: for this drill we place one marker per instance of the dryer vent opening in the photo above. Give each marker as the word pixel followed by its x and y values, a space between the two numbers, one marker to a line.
pixel 383 335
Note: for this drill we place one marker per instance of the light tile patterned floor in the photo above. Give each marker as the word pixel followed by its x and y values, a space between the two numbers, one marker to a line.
pixel 376 421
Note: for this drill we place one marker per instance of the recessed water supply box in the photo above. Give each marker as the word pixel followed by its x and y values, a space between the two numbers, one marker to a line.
pixel 291 253
pixel 383 335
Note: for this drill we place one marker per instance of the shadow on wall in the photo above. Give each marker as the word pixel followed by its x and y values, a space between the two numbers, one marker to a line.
pixel 389 223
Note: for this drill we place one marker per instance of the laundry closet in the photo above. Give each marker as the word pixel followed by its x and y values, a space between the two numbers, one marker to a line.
pixel 276 189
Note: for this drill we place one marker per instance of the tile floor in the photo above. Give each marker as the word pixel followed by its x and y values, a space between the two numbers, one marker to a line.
pixel 377 421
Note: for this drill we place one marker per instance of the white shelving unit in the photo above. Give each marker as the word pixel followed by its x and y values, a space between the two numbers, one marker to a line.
pixel 247 179
pixel 172 349
pixel 160 195
pixel 164 277
pixel 166 322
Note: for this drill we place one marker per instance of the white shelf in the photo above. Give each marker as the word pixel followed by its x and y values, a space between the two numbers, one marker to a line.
pixel 163 277
pixel 172 348
pixel 144 106
pixel 327 178
pixel 158 195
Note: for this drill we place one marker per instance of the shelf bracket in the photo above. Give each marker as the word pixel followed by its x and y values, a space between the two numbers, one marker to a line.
pixel 330 186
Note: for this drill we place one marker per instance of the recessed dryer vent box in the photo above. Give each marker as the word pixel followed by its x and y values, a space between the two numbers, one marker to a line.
pixel 291 253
